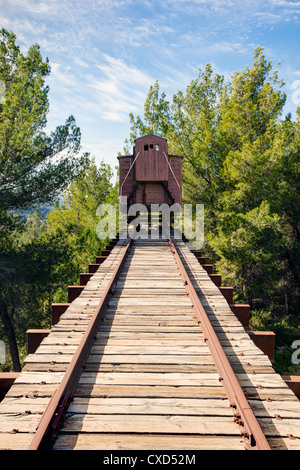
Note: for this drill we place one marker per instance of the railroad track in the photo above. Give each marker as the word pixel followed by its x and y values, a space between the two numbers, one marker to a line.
pixel 149 356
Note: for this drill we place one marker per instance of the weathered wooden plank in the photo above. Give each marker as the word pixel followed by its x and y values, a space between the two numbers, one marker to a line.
pixel 279 409
pixel 19 423
pixel 31 389
pixel 150 379
pixel 121 390
pixel 170 385
pixel 29 405
pixel 280 427
pixel 147 442
pixel 124 358
pixel 39 378
pixel 129 367
pixel 207 425
pixel 128 349
pixel 144 405
pixel 15 441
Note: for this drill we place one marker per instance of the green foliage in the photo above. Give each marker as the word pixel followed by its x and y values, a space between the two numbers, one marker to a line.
pixel 77 218
pixel 39 259
pixel 287 330
pixel 283 363
pixel 34 167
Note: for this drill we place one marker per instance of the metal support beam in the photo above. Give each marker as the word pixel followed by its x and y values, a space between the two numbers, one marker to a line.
pixel 105 253
pixel 242 312
pixel 84 278
pixel 93 267
pixel 74 292
pixel 6 381
pixel 293 381
pixel 265 341
pixel 217 279
pixel 208 268
pixel 34 339
pixel 228 294
pixel 57 311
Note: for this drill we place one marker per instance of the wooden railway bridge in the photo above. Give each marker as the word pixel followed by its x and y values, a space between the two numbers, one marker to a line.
pixel 150 352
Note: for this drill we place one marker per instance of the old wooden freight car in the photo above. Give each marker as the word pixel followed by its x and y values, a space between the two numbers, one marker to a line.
pixel 150 175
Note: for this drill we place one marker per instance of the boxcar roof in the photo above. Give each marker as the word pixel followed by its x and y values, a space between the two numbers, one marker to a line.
pixel 150 135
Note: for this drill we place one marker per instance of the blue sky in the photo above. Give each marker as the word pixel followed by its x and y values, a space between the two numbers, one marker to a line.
pixel 105 54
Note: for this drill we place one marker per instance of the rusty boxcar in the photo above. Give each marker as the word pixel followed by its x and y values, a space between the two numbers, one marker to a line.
pixel 150 175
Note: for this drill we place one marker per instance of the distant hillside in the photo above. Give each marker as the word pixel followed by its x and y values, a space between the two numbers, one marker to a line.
pixel 43 211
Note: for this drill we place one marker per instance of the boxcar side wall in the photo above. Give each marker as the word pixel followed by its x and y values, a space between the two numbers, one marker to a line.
pixel 175 178
pixel 151 163
pixel 126 177
pixel 150 175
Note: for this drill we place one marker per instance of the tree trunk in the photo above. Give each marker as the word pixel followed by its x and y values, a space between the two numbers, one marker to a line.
pixel 8 327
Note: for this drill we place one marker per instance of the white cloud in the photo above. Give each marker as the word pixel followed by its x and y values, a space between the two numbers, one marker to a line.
pixel 55 8
pixel 241 13
pixel 120 89
pixel 105 54
pixel 35 6
pixel 285 3
pixel 23 28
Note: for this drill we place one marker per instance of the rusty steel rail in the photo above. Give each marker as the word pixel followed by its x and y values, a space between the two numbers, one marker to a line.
pixel 53 414
pixel 243 414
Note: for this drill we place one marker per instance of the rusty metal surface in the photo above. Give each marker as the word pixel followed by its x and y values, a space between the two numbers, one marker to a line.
pixel 34 338
pixel 265 341
pixel 151 175
pixel 59 401
pixel 151 164
pixel 6 381
pixel 243 413
pixel 293 381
